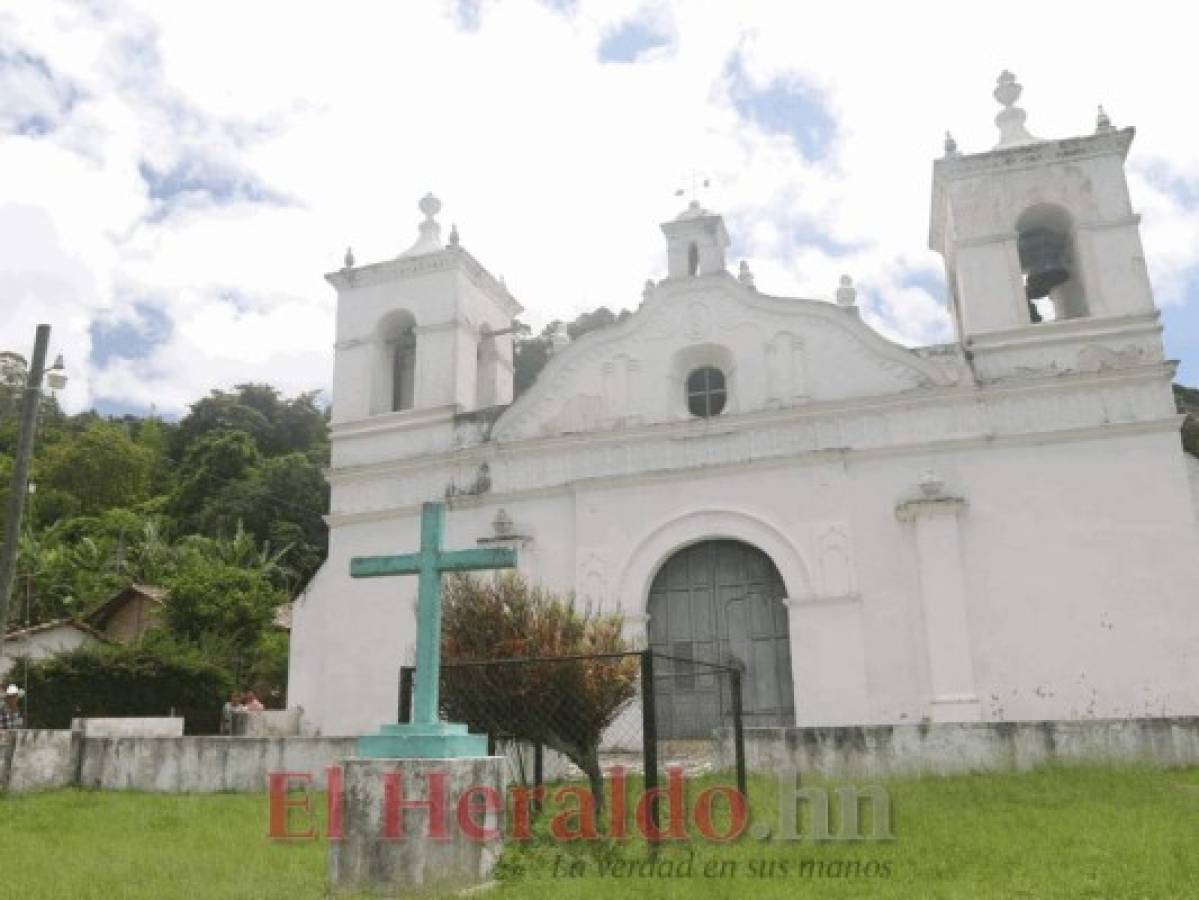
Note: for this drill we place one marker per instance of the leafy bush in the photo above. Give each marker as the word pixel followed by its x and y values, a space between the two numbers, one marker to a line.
pixel 565 705
pixel 146 679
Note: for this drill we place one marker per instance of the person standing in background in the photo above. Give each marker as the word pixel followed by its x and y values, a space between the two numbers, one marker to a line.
pixel 10 712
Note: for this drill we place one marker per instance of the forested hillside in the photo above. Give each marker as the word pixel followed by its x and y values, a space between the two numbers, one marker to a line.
pixel 222 508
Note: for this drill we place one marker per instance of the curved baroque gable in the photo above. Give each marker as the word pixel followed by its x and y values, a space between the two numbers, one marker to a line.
pixel 775 352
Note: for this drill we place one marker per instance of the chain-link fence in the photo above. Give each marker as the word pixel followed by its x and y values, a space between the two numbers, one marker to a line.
pixel 573 717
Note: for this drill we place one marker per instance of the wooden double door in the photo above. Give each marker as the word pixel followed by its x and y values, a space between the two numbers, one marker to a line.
pixel 720 601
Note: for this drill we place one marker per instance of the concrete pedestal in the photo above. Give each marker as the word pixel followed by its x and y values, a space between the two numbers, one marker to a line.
pixel 389 842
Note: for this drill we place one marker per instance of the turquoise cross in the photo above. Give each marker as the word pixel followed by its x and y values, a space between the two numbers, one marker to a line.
pixel 428 564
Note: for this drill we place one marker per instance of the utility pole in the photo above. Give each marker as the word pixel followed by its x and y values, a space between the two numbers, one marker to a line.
pixel 20 472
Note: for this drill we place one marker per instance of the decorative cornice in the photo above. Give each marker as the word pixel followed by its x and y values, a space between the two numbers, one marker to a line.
pixel 449 259
pixel 687 470
pixel 1029 155
pixel 386 423
pixel 392 270
pixel 1068 330
pixel 955 406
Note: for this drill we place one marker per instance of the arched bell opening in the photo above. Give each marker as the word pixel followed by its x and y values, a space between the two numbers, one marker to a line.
pixel 1049 263
pixel 396 370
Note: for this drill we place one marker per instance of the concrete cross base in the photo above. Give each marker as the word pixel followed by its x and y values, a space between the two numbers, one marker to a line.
pixel 390 842
pixel 435 740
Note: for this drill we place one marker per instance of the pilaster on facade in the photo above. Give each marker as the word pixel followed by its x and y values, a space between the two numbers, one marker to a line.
pixel 936 519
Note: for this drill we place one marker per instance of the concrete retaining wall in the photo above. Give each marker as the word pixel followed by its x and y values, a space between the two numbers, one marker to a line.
pixel 42 759
pixel 881 751
pixel 163 726
pixel 268 723
pixel 36 758
pixel 205 764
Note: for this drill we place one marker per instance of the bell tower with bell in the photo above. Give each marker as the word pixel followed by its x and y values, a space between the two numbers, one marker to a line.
pixel 1040 241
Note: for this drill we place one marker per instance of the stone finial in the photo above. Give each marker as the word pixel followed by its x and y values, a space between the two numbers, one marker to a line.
pixel 559 338
pixel 455 240
pixel 648 290
pixel 349 258
pixel 1103 121
pixel 430 232
pixel 1011 118
pixel 951 146
pixel 931 484
pixel 744 275
pixel 847 294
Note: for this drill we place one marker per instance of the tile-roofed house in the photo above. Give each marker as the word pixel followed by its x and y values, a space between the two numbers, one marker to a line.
pixel 130 613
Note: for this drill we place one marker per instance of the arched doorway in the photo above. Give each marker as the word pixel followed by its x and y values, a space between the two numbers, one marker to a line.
pixel 720 601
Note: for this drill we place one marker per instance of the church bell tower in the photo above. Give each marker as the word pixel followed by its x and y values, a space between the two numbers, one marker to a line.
pixel 421 338
pixel 1040 242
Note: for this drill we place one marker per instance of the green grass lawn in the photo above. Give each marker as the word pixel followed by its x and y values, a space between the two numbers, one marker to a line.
pixel 1079 832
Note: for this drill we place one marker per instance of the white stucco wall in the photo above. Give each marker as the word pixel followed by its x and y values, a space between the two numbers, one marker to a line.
pixel 1080 581
pixel 41 644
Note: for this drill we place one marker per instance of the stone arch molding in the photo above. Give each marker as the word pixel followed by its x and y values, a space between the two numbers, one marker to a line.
pixel 655 546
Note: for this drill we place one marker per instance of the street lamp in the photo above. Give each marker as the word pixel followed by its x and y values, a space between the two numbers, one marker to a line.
pixel 20 469
pixel 56 375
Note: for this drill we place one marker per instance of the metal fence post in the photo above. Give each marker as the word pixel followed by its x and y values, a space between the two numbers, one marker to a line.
pixel 738 734
pixel 649 732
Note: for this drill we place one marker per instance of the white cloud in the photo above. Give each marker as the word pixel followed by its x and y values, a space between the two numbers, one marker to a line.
pixel 556 167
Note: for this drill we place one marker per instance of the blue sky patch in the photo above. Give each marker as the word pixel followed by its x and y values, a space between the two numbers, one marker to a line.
pixel 129 340
pixel 467 14
pixel 106 406
pixel 785 106
pixel 33 98
pixel 1184 191
pixel 195 179
pixel 932 283
pixel 629 41
pixel 1181 334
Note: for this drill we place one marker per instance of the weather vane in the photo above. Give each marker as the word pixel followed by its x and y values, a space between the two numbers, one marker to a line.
pixel 697 181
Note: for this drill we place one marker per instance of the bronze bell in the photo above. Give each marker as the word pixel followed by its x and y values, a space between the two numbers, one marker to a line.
pixel 1043 259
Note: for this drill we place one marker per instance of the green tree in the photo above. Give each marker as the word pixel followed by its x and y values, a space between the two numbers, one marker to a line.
pixel 215 598
pixel 280 502
pixel 101 468
pixel 214 461
pixel 531 354
pixel 277 425
pixel 1187 400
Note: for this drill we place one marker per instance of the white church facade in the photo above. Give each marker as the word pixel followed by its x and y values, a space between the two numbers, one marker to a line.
pixel 999 528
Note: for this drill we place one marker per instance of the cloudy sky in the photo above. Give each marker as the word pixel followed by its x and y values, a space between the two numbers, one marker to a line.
pixel 175 178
